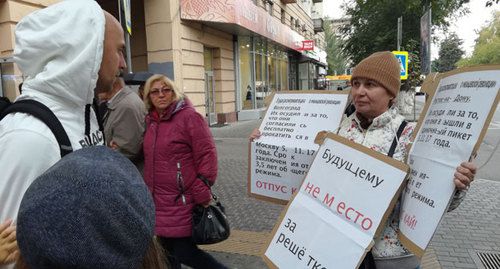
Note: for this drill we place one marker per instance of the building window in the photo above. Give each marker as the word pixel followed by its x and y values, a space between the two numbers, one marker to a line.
pixel 263 69
pixel 283 16
pixel 271 7
pixel 292 22
pixel 246 73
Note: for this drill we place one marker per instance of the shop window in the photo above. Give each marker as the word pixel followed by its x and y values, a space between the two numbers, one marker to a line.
pixel 261 86
pixel 284 72
pixel 246 74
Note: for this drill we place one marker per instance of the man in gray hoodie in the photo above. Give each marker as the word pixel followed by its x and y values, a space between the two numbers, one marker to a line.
pixel 65 51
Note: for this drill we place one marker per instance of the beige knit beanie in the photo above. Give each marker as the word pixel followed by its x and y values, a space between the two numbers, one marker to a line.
pixel 382 67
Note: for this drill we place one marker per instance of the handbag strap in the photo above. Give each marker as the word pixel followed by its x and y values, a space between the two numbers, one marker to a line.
pixel 396 139
pixel 205 180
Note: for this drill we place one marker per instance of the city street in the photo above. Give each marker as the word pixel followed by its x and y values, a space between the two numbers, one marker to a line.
pixel 470 229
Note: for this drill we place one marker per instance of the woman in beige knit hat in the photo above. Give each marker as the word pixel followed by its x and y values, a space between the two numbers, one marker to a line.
pixel 377 124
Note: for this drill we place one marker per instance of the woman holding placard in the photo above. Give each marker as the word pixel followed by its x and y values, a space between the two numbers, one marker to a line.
pixel 377 124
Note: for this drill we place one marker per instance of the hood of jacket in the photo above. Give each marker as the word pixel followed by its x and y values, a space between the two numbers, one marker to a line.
pixel 59 51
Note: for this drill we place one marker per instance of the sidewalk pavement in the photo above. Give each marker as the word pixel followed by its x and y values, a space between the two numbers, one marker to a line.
pixel 472 228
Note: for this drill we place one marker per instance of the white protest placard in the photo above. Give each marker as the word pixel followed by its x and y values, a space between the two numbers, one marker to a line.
pixel 455 122
pixel 279 159
pixel 342 204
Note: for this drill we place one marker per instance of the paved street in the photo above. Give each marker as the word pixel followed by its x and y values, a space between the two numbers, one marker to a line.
pixel 472 228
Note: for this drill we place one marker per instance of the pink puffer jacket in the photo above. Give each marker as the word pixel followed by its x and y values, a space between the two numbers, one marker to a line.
pixel 181 136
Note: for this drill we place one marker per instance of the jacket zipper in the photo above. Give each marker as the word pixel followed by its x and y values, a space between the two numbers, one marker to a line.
pixel 154 157
pixel 180 185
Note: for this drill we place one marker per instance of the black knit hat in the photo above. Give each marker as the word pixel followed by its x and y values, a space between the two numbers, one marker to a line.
pixel 382 67
pixel 90 210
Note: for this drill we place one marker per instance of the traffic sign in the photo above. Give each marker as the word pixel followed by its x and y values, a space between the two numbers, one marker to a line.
pixel 402 57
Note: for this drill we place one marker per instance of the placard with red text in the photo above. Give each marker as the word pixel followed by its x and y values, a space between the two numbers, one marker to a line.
pixel 455 122
pixel 280 158
pixel 343 203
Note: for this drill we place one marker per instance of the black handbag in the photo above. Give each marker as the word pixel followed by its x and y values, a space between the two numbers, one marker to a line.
pixel 210 223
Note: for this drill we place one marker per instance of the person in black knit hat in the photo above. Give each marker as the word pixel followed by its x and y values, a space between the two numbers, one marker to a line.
pixel 90 210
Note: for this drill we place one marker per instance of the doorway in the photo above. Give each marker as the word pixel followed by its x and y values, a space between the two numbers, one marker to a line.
pixel 210 101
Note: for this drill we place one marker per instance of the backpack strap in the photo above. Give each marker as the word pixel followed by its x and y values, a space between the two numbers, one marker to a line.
pixel 396 139
pixel 43 113
pixel 4 103
pixel 350 109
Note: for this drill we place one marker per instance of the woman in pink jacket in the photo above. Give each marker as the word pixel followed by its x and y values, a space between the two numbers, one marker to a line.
pixel 178 149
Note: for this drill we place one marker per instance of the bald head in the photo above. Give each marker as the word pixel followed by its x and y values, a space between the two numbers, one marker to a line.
pixel 113 61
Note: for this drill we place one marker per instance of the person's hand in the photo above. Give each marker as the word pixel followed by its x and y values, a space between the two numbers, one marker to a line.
pixel 9 251
pixel 206 204
pixel 254 135
pixel 113 145
pixel 464 175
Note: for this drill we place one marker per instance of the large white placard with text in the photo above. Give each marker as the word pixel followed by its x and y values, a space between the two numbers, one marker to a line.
pixel 280 158
pixel 453 127
pixel 338 210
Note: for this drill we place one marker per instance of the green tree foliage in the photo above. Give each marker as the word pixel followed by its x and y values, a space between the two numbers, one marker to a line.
pixel 487 48
pixel 336 59
pixel 450 52
pixel 374 23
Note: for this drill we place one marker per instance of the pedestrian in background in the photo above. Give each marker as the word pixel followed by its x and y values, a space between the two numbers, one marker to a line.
pixel 90 210
pixel 124 121
pixel 178 151
pixel 375 124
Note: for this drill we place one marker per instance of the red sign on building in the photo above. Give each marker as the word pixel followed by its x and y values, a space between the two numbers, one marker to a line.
pixel 307 45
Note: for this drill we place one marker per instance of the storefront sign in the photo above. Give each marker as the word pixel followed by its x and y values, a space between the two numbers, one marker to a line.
pixel 343 202
pixel 280 158
pixel 455 122
pixel 245 14
pixel 307 45
pixel 339 77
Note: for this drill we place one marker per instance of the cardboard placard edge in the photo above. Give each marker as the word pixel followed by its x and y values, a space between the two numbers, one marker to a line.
pixel 411 246
pixel 372 153
pixel 274 230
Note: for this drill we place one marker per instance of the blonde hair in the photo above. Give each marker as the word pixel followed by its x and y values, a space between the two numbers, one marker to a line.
pixel 147 88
